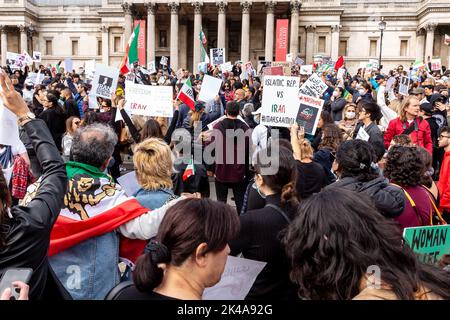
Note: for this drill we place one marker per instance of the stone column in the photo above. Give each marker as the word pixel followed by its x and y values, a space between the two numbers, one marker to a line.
pixel 4 39
pixel 128 21
pixel 295 10
pixel 270 30
pixel 105 45
pixel 183 44
pixel 431 27
pixel 245 37
pixel 197 28
pixel 151 38
pixel 174 6
pixel 420 44
pixel 23 38
pixel 221 24
pixel 310 43
pixel 335 42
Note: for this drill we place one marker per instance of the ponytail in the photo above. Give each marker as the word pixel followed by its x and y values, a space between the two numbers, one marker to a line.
pixel 289 193
pixel 147 275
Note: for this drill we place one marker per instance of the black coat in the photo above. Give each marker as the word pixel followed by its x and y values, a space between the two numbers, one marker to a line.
pixel 56 123
pixel 72 109
pixel 27 233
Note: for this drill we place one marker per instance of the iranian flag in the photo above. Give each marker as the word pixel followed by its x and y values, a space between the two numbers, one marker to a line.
pixel 187 94
pixel 132 54
pixel 190 170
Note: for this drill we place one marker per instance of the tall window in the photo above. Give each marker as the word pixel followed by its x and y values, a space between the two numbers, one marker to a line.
pixel 403 48
pixel 117 44
pixel 343 47
pixel 74 47
pixel 99 47
pixel 373 48
pixel 322 41
pixel 48 47
pixel 162 38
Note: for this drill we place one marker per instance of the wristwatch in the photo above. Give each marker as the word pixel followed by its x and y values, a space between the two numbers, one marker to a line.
pixel 26 118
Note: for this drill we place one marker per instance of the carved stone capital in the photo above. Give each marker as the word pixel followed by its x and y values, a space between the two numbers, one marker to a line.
pixel 246 5
pixel 420 32
pixel 127 7
pixel 151 7
pixel 221 7
pixel 295 6
pixel 197 7
pixel 104 29
pixel 310 28
pixel 174 6
pixel 336 28
pixel 270 6
pixel 3 28
pixel 22 28
pixel 430 27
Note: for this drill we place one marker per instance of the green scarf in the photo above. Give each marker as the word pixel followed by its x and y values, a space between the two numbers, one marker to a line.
pixel 74 168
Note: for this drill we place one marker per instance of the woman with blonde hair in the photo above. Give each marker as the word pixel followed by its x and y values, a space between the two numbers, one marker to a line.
pixel 72 124
pixel 349 121
pixel 154 167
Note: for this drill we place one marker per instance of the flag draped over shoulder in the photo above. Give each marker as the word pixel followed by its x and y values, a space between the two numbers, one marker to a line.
pixel 131 54
pixel 187 94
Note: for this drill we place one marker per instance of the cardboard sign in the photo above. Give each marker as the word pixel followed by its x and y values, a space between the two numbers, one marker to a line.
pixel 236 281
pixel 210 88
pixel 145 100
pixel 280 101
pixel 309 113
pixel 273 71
pixel 430 243
pixel 404 86
pixel 436 65
pixel 105 81
pixel 217 56
pixel 37 56
pixel 164 61
pixel 306 70
pixel 314 86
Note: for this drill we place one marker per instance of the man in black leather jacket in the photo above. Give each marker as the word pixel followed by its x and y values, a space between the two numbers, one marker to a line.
pixel 25 231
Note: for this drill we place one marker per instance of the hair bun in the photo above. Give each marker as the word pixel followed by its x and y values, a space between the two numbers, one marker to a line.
pixel 158 251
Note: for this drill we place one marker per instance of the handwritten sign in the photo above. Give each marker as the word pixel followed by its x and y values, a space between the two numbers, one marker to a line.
pixel 145 100
pixel 237 279
pixel 309 113
pixel 430 243
pixel 314 86
pixel 280 101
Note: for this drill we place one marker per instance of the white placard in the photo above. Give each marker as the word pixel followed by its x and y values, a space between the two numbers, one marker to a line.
pixel 129 183
pixel 404 86
pixel 314 86
pixel 362 134
pixel 306 69
pixel 93 102
pixel 105 81
pixel 9 131
pixel 226 67
pixel 89 69
pixel 280 101
pixel 145 100
pixel 68 64
pixel 237 279
pixel 28 58
pixel 210 88
pixel 290 57
pixel 164 61
pixel 389 83
pixel 340 74
pixel 309 112
pixel 217 56
pixel 37 56
pixel 374 63
pixel 152 67
pixel 436 65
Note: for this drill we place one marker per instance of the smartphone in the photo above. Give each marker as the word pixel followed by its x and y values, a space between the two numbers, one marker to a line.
pixel 12 275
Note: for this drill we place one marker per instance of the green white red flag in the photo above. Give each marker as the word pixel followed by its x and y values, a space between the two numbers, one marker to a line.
pixel 186 94
pixel 132 53
pixel 190 170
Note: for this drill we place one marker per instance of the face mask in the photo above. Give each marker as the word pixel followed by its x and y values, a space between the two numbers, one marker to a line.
pixel 361 92
pixel 259 191
pixel 350 115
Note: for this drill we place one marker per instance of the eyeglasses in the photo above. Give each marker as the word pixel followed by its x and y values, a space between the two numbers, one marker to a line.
pixel 442 136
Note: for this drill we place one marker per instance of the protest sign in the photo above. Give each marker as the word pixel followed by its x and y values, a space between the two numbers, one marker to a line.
pixel 309 113
pixel 145 100
pixel 129 183
pixel 28 59
pixel 105 81
pixel 430 243
pixel 9 130
pixel 389 83
pixel 93 102
pixel 306 69
pixel 273 71
pixel 404 86
pixel 164 61
pixel 436 65
pixel 226 67
pixel 210 88
pixel 131 77
pixel 374 63
pixel 340 74
pixel 290 57
pixel 318 59
pixel 314 86
pixel 11 58
pixel 203 67
pixel 217 56
pixel 152 67
pixel 68 63
pixel 280 101
pixel 282 39
pixel 89 69
pixel 362 134
pixel 236 281
pixel 283 64
pixel 298 61
pixel 37 56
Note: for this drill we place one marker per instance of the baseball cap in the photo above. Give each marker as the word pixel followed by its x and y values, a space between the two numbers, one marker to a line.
pixel 418 90
pixel 427 108
pixel 437 97
pixel 379 77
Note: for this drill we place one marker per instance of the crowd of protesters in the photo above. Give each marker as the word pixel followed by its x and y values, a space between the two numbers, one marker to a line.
pixel 336 205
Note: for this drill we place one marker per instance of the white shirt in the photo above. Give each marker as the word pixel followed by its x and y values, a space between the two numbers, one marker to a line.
pixel 16 149
pixel 259 140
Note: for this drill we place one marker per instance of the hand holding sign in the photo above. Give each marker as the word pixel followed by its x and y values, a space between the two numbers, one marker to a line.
pixel 11 98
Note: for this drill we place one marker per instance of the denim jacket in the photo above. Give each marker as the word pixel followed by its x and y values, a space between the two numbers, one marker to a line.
pixel 153 199
pixel 86 271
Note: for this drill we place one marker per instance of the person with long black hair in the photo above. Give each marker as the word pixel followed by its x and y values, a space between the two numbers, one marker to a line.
pixel 55 118
pixel 339 238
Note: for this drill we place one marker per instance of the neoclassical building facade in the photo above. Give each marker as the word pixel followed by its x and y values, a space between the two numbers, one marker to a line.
pixel 99 29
